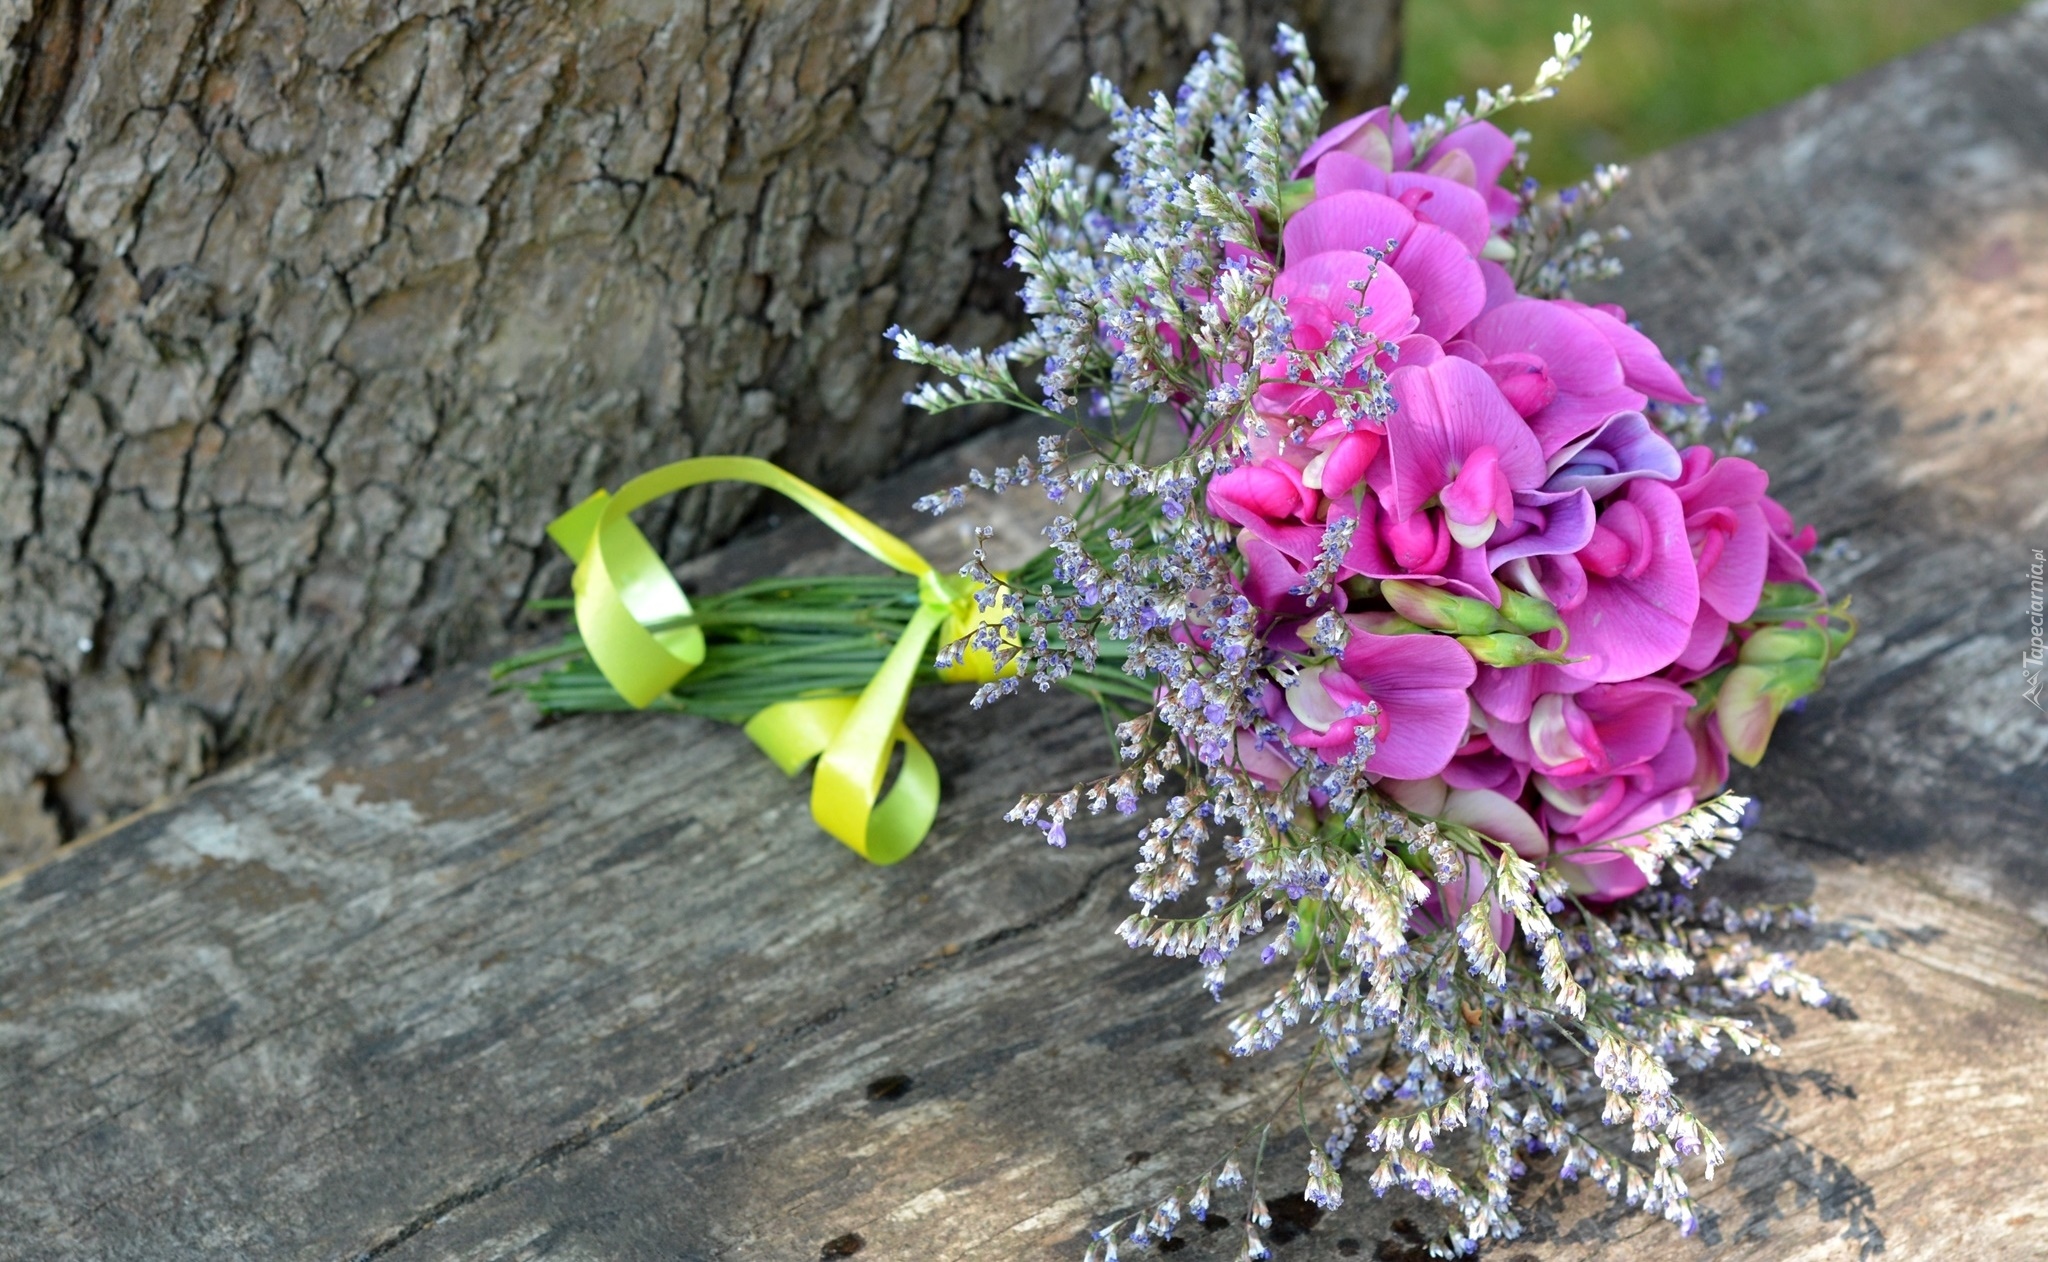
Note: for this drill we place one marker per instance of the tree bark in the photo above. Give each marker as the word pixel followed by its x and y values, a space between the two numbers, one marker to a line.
pixel 313 314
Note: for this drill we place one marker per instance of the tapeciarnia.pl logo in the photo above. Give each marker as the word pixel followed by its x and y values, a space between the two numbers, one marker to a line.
pixel 2037 645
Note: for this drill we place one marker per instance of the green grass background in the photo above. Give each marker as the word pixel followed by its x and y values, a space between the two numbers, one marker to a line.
pixel 1658 70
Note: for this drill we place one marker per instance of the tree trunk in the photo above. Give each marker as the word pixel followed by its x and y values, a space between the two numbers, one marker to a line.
pixel 312 314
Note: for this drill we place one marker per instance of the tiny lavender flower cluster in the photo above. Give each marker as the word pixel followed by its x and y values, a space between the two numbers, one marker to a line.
pixel 1443 643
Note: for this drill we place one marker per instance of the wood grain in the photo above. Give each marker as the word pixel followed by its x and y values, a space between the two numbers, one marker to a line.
pixel 447 984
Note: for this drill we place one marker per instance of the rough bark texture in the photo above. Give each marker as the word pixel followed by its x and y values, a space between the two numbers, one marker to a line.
pixel 312 314
pixel 444 985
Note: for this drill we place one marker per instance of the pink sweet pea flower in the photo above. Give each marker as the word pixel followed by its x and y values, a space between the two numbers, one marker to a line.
pixel 1473 157
pixel 1630 595
pixel 1594 821
pixel 1453 437
pixel 1731 544
pixel 1269 494
pixel 1580 810
pixel 1319 295
pixel 1601 731
pixel 1554 367
pixel 1408 690
pixel 1434 265
pixel 1419 547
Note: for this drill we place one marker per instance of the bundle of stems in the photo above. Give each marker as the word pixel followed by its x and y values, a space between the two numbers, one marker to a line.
pixel 774 640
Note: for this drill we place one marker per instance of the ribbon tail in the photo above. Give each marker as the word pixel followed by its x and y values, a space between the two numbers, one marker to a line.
pixel 792 733
pixel 849 775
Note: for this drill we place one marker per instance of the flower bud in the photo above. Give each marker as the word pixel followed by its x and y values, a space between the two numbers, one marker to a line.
pixel 1504 648
pixel 1437 609
pixel 1528 614
pixel 1380 622
pixel 1752 698
pixel 1782 601
pixel 1784 644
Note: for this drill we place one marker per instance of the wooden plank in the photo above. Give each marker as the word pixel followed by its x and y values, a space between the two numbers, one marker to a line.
pixel 445 984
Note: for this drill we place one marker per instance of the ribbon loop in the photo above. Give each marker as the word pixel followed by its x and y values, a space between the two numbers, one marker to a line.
pixel 625 594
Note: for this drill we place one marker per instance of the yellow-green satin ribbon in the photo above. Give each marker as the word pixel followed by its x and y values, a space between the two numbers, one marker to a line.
pixel 622 586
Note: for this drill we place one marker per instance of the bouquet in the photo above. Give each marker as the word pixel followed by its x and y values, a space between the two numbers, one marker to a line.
pixel 1429 605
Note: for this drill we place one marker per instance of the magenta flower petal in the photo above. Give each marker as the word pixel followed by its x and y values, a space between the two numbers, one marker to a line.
pixel 1495 816
pixel 1269 572
pixel 1706 481
pixel 1419 682
pixel 1449 290
pixel 1506 694
pixel 1347 222
pixel 1345 462
pixel 1734 547
pixel 1319 296
pixel 1563 579
pixel 1261 493
pixel 1602 873
pixel 1646 813
pixel 1478 497
pixel 1500 287
pixel 1523 380
pixel 1341 172
pixel 1418 351
pixel 1392 143
pixel 1548 524
pixel 1264 763
pixel 1641 588
pixel 1478 765
pixel 1448 204
pixel 1486 147
pixel 1577 357
pixel 1709 637
pixel 1502 205
pixel 1625 447
pixel 1710 757
pixel 1642 363
pixel 1445 413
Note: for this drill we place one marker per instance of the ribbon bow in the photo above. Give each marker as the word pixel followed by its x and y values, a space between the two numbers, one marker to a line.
pixel 623 587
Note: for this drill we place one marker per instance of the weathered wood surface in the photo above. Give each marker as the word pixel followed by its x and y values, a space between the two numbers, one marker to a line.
pixel 314 312
pixel 445 985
